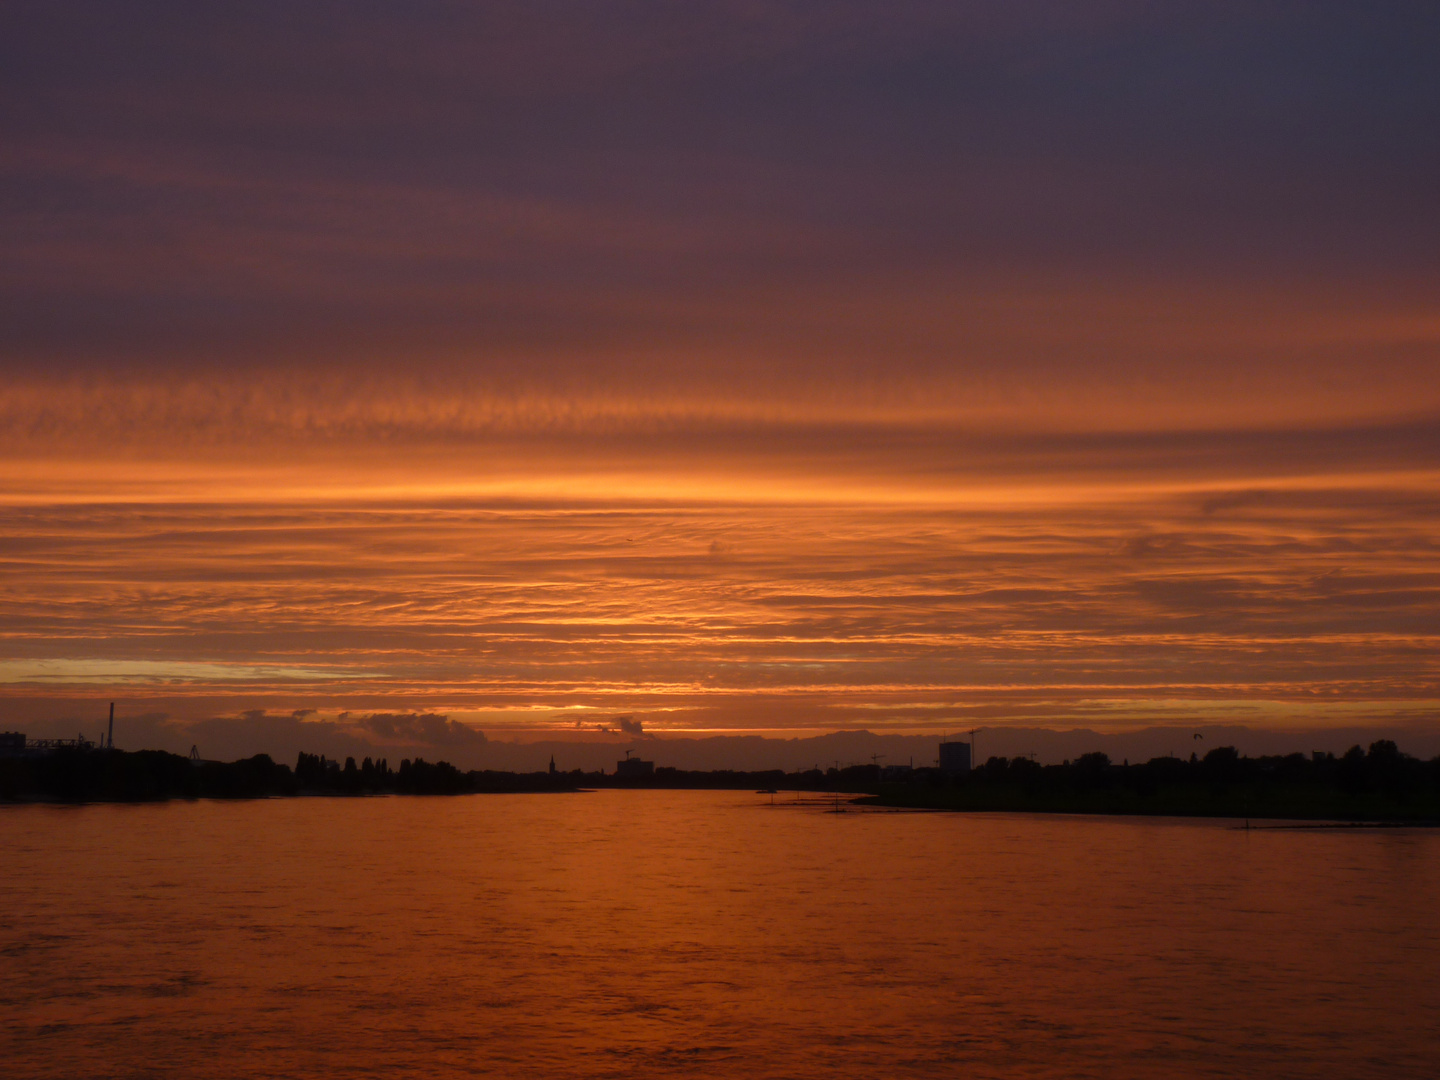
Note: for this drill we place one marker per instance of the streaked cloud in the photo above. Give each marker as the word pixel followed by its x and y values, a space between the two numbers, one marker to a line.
pixel 745 367
pixel 91 672
pixel 780 610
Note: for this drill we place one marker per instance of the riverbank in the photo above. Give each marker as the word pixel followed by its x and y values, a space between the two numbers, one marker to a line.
pixel 88 774
pixel 82 775
pixel 1381 785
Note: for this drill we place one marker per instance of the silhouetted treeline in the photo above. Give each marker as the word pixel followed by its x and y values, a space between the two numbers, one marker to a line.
pixel 80 775
pixel 113 775
pixel 314 772
pixel 117 776
pixel 1382 784
pixel 419 777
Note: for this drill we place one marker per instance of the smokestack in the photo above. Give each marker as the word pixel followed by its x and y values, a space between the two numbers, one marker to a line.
pixel 110 740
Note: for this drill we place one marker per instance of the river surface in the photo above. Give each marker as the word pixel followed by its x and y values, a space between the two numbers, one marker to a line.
pixel 647 933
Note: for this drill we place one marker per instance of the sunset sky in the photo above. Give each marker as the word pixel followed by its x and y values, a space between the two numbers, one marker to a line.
pixel 775 367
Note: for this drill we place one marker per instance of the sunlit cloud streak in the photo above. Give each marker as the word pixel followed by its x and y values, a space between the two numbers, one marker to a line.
pixel 755 367
pixel 1285 594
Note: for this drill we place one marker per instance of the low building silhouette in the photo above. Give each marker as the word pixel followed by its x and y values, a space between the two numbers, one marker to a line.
pixel 16 744
pixel 955 757
pixel 634 767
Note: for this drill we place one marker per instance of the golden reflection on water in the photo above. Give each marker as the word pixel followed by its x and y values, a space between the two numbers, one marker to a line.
pixel 666 933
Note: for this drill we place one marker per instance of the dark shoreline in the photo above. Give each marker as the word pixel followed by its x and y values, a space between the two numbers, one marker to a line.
pixel 1380 787
pixel 89 775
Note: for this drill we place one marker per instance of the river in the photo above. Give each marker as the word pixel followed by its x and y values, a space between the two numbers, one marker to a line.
pixel 656 933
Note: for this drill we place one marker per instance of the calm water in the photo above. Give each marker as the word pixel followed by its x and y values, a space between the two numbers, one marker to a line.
pixel 687 933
